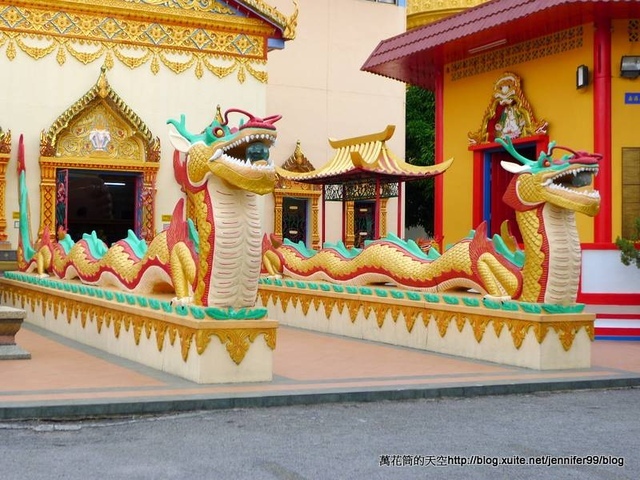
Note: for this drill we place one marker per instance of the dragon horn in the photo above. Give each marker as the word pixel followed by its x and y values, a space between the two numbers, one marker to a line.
pixel 508 146
pixel 180 126
pixel 219 117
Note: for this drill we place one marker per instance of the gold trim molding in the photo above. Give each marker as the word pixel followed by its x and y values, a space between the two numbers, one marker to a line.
pixel 236 340
pixel 177 34
pixel 5 155
pixel 442 319
pixel 423 12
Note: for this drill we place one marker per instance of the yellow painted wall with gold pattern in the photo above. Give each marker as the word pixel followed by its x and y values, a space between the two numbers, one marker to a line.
pixel 549 85
pixel 625 118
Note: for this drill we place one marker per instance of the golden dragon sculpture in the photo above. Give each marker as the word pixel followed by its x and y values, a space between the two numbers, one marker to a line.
pixel 545 193
pixel 213 259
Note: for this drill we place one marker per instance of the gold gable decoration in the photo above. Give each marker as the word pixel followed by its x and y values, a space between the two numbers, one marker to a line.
pixel 509 114
pixel 100 124
pixel 179 34
pixel 298 163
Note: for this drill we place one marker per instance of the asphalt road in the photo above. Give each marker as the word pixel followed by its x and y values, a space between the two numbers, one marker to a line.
pixel 579 435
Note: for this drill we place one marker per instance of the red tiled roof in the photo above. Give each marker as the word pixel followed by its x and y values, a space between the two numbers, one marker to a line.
pixel 414 57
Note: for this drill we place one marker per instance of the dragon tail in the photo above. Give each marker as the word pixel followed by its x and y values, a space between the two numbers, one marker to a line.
pixel 26 250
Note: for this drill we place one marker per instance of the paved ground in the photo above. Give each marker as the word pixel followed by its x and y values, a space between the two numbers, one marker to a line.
pixel 64 378
pixel 581 435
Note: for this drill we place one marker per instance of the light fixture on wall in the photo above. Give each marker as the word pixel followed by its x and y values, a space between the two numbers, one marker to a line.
pixel 582 76
pixel 630 66
pixel 487 46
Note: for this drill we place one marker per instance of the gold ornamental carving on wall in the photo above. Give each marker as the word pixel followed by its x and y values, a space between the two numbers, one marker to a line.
pixel 180 35
pixel 442 320
pixel 237 341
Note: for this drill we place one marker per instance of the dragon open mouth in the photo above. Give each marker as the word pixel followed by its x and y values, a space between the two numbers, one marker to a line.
pixel 244 163
pixel 250 151
pixel 577 180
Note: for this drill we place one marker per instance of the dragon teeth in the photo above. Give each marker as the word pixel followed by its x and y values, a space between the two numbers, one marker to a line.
pixel 586 193
pixel 245 163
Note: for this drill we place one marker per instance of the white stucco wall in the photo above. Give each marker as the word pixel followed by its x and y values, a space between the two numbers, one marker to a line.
pixel 34 93
pixel 316 84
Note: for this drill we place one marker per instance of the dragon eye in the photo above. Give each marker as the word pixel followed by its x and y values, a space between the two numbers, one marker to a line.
pixel 546 163
pixel 218 132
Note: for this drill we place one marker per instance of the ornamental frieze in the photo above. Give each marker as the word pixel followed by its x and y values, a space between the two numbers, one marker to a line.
pixel 179 35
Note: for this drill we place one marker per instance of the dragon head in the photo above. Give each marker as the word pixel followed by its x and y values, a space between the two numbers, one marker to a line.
pixel 566 182
pixel 239 155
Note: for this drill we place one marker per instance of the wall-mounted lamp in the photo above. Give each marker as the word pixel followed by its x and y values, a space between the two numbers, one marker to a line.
pixel 630 66
pixel 487 46
pixel 582 76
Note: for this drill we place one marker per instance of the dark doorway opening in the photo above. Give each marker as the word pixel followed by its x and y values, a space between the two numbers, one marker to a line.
pixel 499 181
pixel 365 223
pixel 294 219
pixel 103 202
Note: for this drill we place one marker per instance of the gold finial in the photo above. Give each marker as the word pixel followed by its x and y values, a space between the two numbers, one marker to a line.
pixel 219 118
pixel 297 154
pixel 103 84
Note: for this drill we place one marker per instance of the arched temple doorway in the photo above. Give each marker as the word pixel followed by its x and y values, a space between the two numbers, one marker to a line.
pixel 98 164
pixel 296 204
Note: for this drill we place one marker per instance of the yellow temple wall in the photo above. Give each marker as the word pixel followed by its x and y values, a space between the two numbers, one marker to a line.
pixel 549 84
pixel 317 86
pixel 625 118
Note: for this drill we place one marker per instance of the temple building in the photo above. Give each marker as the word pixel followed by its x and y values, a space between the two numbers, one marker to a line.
pixel 534 71
pixel 90 86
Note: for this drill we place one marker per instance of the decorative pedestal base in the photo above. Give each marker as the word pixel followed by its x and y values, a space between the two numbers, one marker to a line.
pixel 8 259
pixel 147 330
pixel 455 325
pixel 10 323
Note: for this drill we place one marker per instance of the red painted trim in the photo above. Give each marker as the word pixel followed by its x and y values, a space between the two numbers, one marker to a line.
pixel 602 124
pixel 599 246
pixel 619 316
pixel 400 233
pixel 324 219
pixel 478 187
pixel 376 227
pixel 609 298
pixel 541 141
pixel 438 194
pixel 618 332
pixel 343 234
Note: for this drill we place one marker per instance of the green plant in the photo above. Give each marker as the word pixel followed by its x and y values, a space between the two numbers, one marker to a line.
pixel 630 248
pixel 420 150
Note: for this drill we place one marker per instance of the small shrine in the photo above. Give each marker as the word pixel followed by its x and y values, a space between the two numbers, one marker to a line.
pixel 363 169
